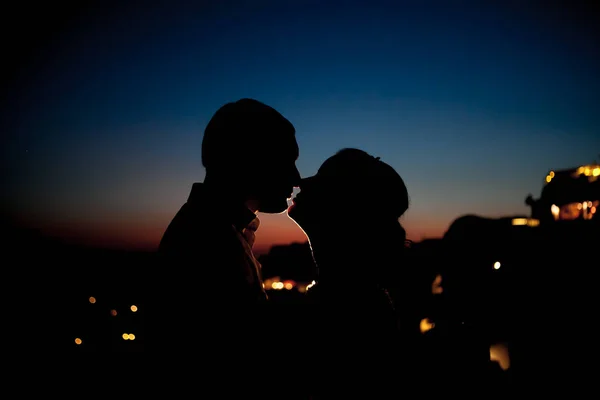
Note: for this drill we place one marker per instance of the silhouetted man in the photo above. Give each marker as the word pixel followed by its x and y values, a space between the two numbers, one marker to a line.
pixel 210 280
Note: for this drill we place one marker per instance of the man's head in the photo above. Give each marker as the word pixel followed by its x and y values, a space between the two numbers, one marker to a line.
pixel 252 148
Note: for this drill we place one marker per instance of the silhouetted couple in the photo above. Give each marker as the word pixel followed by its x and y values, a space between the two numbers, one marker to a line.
pixel 214 298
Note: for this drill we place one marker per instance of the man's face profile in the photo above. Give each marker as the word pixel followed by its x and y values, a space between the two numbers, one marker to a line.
pixel 252 146
pixel 276 175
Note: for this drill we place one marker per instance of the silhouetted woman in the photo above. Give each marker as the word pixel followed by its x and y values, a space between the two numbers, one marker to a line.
pixel 349 211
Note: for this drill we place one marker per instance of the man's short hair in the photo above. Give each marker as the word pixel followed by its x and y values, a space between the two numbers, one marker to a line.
pixel 241 129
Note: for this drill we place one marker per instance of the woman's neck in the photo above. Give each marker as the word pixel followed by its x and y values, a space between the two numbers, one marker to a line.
pixel 340 261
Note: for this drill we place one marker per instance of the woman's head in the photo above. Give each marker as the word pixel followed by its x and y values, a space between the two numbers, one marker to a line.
pixel 350 188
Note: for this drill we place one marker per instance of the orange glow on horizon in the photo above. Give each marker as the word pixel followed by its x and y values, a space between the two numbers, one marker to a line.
pixel 135 233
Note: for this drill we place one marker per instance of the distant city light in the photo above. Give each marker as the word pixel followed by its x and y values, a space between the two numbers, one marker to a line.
pixel 555 210
pixel 134 308
pixel 92 300
pixel 128 336
pixel 426 325
pixel 277 285
pixel 591 171
pixel 497 265
pixel 499 353
pixel 78 341
pixel 113 313
pixel 436 286
pixel 526 222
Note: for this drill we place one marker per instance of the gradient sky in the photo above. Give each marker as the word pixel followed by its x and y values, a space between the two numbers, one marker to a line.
pixel 472 105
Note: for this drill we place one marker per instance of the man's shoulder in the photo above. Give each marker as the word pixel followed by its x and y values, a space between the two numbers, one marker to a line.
pixel 194 222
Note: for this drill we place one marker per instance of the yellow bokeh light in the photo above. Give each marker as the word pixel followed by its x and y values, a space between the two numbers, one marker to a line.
pixel 134 308
pixel 426 325
pixel 591 171
pixel 436 286
pixel 277 285
pixel 499 353
pixel 533 222
pixel 125 336
pixel 497 265
pixel 131 336
pixel 526 222
pixel 78 341
pixel 92 300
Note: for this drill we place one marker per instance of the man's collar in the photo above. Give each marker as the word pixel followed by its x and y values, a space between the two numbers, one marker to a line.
pixel 236 213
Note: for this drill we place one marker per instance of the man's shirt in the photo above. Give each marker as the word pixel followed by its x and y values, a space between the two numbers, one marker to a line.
pixel 207 278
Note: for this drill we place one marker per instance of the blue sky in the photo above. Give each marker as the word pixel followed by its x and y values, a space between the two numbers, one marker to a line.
pixel 471 104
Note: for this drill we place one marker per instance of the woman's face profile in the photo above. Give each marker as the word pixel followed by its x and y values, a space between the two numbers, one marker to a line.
pixel 303 205
pixel 310 204
pixel 319 204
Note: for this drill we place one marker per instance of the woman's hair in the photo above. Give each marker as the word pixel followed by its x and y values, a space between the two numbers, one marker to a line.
pixel 368 182
pixel 378 192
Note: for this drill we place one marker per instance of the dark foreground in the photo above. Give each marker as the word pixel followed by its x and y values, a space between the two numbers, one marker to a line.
pixel 528 306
